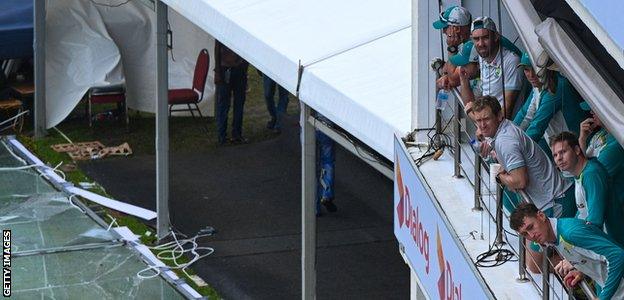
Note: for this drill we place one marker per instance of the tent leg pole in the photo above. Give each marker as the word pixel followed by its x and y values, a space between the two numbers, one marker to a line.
pixel 308 205
pixel 39 105
pixel 162 123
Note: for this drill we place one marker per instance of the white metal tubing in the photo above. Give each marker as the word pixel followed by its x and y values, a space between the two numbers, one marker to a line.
pixel 308 205
pixel 162 123
pixel 39 105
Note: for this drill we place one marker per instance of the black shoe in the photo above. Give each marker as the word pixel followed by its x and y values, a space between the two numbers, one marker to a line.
pixel 271 123
pixel 329 204
pixel 239 140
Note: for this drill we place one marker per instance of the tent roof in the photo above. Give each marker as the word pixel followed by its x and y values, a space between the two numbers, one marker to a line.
pixel 325 37
pixel 16 28
pixel 366 90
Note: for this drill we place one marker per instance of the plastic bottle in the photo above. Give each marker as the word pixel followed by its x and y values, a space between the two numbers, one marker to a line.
pixel 476 145
pixel 441 99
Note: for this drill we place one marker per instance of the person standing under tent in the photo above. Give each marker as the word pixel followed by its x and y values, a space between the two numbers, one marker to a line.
pixel 550 107
pixel 587 250
pixel 231 83
pixel 499 76
pixel 593 196
pixel 276 112
pixel 325 169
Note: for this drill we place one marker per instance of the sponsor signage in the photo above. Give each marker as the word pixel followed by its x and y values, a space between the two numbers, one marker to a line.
pixel 433 253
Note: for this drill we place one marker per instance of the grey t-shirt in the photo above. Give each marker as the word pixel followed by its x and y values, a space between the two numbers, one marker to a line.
pixel 514 149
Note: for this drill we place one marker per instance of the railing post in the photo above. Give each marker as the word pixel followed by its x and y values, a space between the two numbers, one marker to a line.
pixel 477 183
pixel 522 276
pixel 457 134
pixel 499 215
pixel 546 273
pixel 438 125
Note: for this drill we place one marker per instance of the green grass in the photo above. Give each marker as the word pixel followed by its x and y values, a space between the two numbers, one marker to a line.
pixel 186 135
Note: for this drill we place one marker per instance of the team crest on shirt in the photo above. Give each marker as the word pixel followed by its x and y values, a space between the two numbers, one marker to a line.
pixel 580 205
pixel 567 246
pixel 498 71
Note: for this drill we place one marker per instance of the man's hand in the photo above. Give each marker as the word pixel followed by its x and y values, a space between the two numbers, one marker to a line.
pixel 587 127
pixel 563 268
pixel 443 82
pixel 573 278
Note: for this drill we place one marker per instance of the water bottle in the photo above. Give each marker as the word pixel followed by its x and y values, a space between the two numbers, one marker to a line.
pixel 476 145
pixel 442 99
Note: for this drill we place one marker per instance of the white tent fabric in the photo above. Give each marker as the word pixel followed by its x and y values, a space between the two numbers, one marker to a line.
pixel 355 55
pixel 91 45
pixel 366 90
pixel 525 19
pixel 583 76
pixel 275 35
pixel 604 19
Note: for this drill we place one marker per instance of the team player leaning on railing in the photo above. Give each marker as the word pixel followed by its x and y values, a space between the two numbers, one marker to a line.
pixel 552 148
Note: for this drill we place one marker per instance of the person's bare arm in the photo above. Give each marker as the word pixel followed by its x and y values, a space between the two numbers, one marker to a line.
pixel 516 179
pixel 510 102
pixel 465 91
pixel 587 126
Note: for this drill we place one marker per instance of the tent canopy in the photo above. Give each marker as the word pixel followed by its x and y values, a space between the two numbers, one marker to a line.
pixel 355 56
pixel 16 29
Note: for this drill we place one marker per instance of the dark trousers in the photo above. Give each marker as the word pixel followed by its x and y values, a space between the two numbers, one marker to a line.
pixel 278 111
pixel 233 86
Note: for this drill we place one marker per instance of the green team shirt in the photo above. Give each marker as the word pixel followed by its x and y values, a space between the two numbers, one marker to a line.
pixel 591 252
pixel 610 153
pixel 595 202
pixel 564 101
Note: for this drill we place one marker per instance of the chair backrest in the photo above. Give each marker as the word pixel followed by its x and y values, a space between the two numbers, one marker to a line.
pixel 201 72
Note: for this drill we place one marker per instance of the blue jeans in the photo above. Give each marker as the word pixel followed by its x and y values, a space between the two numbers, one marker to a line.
pixel 269 91
pixel 233 86
pixel 325 168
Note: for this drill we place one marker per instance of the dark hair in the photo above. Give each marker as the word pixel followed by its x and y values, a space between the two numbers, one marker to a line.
pixel 523 210
pixel 551 80
pixel 565 136
pixel 486 101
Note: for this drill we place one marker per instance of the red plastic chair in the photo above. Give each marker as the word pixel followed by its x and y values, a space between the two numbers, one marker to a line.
pixel 191 97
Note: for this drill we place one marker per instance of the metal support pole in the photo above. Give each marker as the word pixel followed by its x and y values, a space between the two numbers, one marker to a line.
pixel 499 215
pixel 162 123
pixel 546 273
pixel 522 276
pixel 39 105
pixel 308 205
pixel 477 183
pixel 457 134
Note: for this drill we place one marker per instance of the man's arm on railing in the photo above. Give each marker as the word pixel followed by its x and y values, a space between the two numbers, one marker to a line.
pixel 516 179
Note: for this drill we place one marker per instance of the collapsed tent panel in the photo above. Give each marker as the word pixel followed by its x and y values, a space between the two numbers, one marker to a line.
pixel 366 91
pixel 92 45
pixel 275 35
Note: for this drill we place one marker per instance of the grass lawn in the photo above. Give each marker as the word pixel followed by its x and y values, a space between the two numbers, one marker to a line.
pixel 186 135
